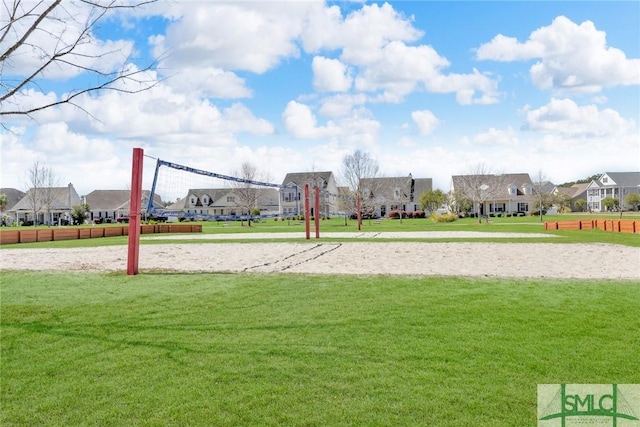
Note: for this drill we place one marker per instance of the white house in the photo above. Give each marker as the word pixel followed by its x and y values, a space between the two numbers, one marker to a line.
pixel 496 194
pixel 382 195
pixel 292 193
pixel 617 185
pixel 47 205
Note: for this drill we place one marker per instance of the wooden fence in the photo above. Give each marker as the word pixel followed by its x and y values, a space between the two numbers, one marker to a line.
pixel 613 225
pixel 30 235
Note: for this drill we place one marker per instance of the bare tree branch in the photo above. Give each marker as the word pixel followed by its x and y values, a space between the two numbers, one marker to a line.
pixel 65 49
pixel 249 195
pixel 31 29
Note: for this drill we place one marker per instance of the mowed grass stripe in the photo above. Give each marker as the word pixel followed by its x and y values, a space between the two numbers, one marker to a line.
pixel 230 349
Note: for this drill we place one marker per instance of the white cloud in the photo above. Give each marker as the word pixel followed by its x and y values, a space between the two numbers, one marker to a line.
pixel 301 122
pixel 565 117
pixel 209 82
pixel 330 75
pixel 398 70
pixel 341 105
pixel 502 48
pixel 571 57
pixel 497 137
pixel 363 31
pixel 163 111
pixel 252 36
pixel 425 120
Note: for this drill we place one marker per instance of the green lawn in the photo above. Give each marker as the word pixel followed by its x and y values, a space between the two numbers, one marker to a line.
pixel 213 230
pixel 240 349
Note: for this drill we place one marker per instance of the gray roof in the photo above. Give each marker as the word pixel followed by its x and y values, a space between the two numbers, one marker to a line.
pixel 268 196
pixel 62 198
pixel 386 185
pixel 574 191
pixel 624 179
pixel 13 196
pixel 213 194
pixel 519 180
pixel 301 178
pixel 422 185
pixel 546 187
pixel 111 200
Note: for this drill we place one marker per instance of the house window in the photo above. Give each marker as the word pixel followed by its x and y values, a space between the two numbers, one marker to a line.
pixel 523 207
pixel 231 199
pixel 396 194
pixel 605 180
pixel 193 201
pixel 205 200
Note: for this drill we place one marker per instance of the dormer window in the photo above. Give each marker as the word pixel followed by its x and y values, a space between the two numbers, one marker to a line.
pixel 513 190
pixel 192 200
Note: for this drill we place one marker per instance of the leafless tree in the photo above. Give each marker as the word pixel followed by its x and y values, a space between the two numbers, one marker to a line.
pixel 358 169
pixel 481 185
pixel 247 194
pixel 42 194
pixel 47 39
pixel 543 196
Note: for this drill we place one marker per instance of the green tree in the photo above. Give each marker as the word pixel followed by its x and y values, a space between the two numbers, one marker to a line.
pixel 610 203
pixel 458 202
pixel 581 204
pixel 431 200
pixel 633 200
pixel 562 201
pixel 79 213
pixel 3 202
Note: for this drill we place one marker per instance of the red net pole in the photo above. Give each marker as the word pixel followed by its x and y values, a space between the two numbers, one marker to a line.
pixel 358 213
pixel 134 212
pixel 317 211
pixel 307 227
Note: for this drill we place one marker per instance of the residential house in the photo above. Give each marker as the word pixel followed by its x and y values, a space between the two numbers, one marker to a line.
pixel 215 203
pixel 382 195
pixel 573 194
pixel 13 196
pixel 110 205
pixel 292 193
pixel 50 206
pixel 496 194
pixel 612 184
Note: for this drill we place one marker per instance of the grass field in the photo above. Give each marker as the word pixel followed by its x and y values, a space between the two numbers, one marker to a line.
pixel 213 230
pixel 255 350
pixel 304 350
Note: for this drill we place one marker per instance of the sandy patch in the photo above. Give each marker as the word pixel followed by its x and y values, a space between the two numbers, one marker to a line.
pixel 414 258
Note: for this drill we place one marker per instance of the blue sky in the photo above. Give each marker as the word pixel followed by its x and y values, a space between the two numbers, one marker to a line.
pixel 428 88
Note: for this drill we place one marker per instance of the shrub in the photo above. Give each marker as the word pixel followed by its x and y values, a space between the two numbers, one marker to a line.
pixel 449 217
pixel 394 214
